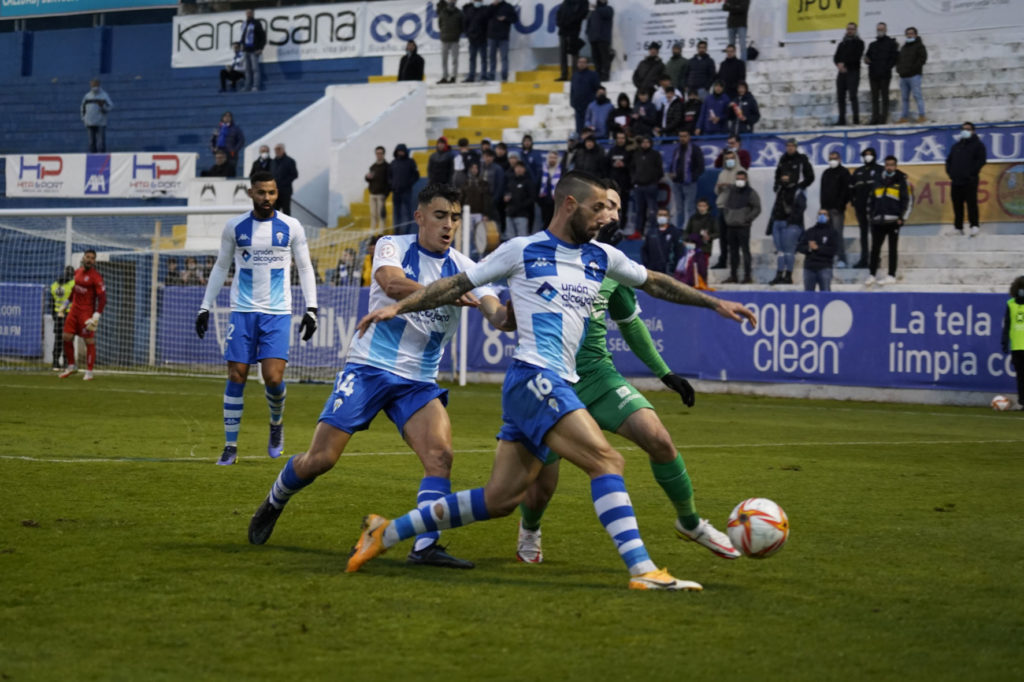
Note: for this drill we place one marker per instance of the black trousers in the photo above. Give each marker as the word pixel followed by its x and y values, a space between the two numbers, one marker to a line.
pixel 602 53
pixel 230 75
pixel 964 194
pixel 1018 365
pixel 723 239
pixel 865 229
pixel 284 202
pixel 567 54
pixel 880 100
pixel 58 339
pixel 846 85
pixel 739 242
pixel 879 232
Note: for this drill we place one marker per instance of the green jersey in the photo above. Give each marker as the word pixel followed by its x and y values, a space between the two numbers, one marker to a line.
pixel 619 302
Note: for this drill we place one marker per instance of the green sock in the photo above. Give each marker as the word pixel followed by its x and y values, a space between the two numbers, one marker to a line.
pixel 531 517
pixel 674 480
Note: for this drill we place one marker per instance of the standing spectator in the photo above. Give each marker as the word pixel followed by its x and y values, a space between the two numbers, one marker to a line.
pixel 732 71
pixel 645 114
pixel 235 71
pixel 785 225
pixel 835 194
pixel 95 106
pixel 410 68
pixel 494 176
pixel 449 24
pixel 347 272
pixel 847 60
pixel 262 162
pixel 881 58
pixel 485 144
pixel 619 117
pixel 60 301
pixel 475 17
pixel 499 24
pixel 963 166
pixel 743 111
pixel 254 38
pixel 701 72
pixel 701 230
pixel 599 33
pixel 592 159
pixel 501 157
pixel 596 116
pixel 402 176
pixel 582 91
pixel 440 166
pixel 464 157
pixel 673 116
pixel 734 144
pixel 714 113
pixel 533 158
pixel 620 157
pixel 691 111
pixel 549 177
pixel 569 19
pixel 646 173
pixel 650 69
pixel 572 148
pixel 663 245
pixel 380 187
pixel 725 182
pixel 477 194
pixel 794 164
pixel 742 206
pixel 864 179
pixel 285 172
pixel 819 244
pixel 736 24
pixel 659 98
pixel 685 169
pixel 889 207
pixel 519 200
pixel 910 65
pixel 1013 334
pixel 228 137
pixel 677 67
pixel 221 168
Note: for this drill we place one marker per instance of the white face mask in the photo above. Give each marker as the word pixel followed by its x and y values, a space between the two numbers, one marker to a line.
pixel 663 220
pixel 869 158
pixel 833 163
pixel 730 163
pixel 741 183
pixel 264 156
pixel 965 134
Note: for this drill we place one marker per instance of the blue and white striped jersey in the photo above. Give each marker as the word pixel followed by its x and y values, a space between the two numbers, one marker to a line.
pixel 411 345
pixel 263 252
pixel 553 286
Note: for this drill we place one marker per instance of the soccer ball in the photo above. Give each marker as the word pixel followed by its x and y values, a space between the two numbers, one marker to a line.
pixel 758 527
pixel 1000 403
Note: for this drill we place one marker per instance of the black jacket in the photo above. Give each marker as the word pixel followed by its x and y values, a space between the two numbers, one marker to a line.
pixel 441 166
pixel 751 113
pixel 882 54
pixel 648 73
pixel 592 161
pixel 599 24
pixel 662 249
pixel 798 167
pixel 965 161
pixel 500 22
pixel 827 240
pixel 646 168
pixel 863 182
pixel 259 37
pixel 285 172
pixel 475 23
pixel 570 16
pixel 701 73
pixel 411 67
pixel 790 204
pixel 620 174
pixel 646 118
pixel 522 196
pixel 911 59
pixel 674 118
pixel 890 199
pixel 402 171
pixel 835 188
pixel 679 158
pixel 849 52
pixel 731 71
pixel 259 165
pixel 378 182
pixel 449 21
pixel 737 10
pixel 691 114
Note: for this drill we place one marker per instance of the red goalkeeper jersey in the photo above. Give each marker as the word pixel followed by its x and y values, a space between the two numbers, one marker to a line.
pixel 90 295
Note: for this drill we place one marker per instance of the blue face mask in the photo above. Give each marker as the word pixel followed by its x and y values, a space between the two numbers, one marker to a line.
pixel 965 134
pixel 910 39
pixel 822 219
pixel 889 173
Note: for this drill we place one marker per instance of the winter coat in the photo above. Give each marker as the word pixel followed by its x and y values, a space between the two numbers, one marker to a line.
pixel 500 22
pixel 849 52
pixel 620 174
pixel 798 167
pixel 703 223
pixel 441 166
pixel 863 183
pixel 731 71
pixel 965 161
pixel 835 188
pixel 599 24
pixel 521 196
pixel 737 10
pixel 534 160
pixel 402 171
pixel 882 53
pixel 890 199
pixel 648 72
pixel 747 105
pixel 677 67
pixel 570 16
pixel 673 118
pixel 449 21
pixel 701 72
pixel 224 170
pixel 234 141
pixel 646 168
pixel 911 59
pixel 95 106
pixel 410 68
pixel 719 104
pixel 596 117
pixel 474 22
pixel 827 240
pixel 285 172
pixel 612 125
pixel 790 204
pixel 662 249
pixel 378 182
pixel 259 165
pixel 742 206
pixel 259 37
pixel 582 88
pixel 677 167
pixel 495 178
pixel 478 196
pixel 647 118
pixel 592 161
pixel 691 114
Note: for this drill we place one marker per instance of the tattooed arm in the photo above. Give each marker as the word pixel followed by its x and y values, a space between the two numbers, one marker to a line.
pixel 666 288
pixel 439 293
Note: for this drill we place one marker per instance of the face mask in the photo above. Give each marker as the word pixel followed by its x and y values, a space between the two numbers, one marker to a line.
pixel 889 173
pixel 910 40
pixel 741 183
pixel 264 156
pixel 730 163
pixel 869 158
pixel 822 219
pixel 663 220
pixel 881 34
pixel 833 163
pixel 965 134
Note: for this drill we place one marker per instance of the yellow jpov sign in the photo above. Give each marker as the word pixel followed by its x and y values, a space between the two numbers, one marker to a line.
pixel 820 15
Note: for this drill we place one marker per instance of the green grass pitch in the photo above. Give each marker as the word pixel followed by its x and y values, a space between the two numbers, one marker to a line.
pixel 123 552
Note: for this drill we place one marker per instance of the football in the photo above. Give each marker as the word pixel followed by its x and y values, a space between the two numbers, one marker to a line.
pixel 1000 403
pixel 758 527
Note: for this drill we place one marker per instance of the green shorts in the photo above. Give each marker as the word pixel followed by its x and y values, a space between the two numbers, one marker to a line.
pixel 609 398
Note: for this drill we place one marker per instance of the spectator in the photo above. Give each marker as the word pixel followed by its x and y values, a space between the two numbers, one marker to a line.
pixel 862 186
pixel 410 68
pixel 701 72
pixel 819 244
pixel 1012 336
pixel 847 60
pixel 285 173
pixel 462 159
pixel 725 182
pixel 582 91
pixel 191 276
pixel 619 117
pixel 742 206
pixel 881 58
pixel 889 207
pixel 569 19
pixel 677 67
pixel 596 116
pixel 650 69
pixel 691 111
pixel 551 173
pixel 347 272
pixel 449 24
pixel 736 24
pixel 663 245
pixel 732 71
pixel 910 65
pixel 503 15
pixel 795 165
pixel 501 157
pixel 262 162
pixel 672 117
pixel 743 111
pixel 221 168
pixel 254 38
pixel 659 98
pixel 785 226
pixel 963 166
pixel 475 17
pixel 235 71
pixel 494 176
pixel 171 279
pixel 645 115
pixel 599 33
pixel 836 191
pixel 485 144
pixel 714 113
pixel 476 193
pixel 620 157
pixel 520 197
pixel 440 166
pixel 572 148
pixel 592 159
pixel 685 169
pixel 380 187
pixel 402 176
pixel 230 138
pixel 95 106
pixel 701 230
pixel 734 144
pixel 208 267
pixel 533 158
pixel 646 172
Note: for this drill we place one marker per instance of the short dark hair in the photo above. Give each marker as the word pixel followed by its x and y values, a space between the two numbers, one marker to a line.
pixel 575 183
pixel 744 173
pixel 436 189
pixel 463 142
pixel 378 148
pixel 92 251
pixel 488 153
pixel 893 158
pixel 501 145
pixel 967 123
pixel 612 185
pixel 704 200
pixel 730 45
pixel 261 176
pixel 1017 285
pixel 735 136
pixel 702 42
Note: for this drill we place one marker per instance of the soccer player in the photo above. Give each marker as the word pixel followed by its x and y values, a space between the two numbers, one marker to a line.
pixel 88 300
pixel 618 407
pixel 553 277
pixel 394 369
pixel 262 243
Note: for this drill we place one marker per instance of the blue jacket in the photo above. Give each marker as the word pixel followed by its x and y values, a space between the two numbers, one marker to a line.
pixel 599 24
pixel 718 104
pixel 497 29
pixel 583 87
pixel 597 117
pixel 475 19
pixel 534 160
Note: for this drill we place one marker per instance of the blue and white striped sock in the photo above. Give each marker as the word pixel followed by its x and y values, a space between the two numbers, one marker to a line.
pixel 275 399
pixel 431 488
pixel 615 511
pixel 287 484
pixel 450 511
pixel 232 411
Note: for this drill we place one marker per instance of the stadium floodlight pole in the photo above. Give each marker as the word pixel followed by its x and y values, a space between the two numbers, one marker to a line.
pixel 467 216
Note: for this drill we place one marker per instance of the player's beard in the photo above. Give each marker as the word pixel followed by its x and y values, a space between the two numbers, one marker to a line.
pixel 579 229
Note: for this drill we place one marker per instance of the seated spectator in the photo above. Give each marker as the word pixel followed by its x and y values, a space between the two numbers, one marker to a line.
pixel 348 271
pixel 596 116
pixel 619 117
pixel 714 113
pixel 173 276
pixel 191 276
pixel 410 68
pixel 691 111
pixel 672 115
pixel 785 226
pixel 262 162
pixel 235 71
pixel 732 71
pixel 645 115
pixel 221 168
pixel 592 159
pixel 519 200
pixel 663 245
pixel 549 177
pixel 664 85
pixel 819 244
pixel 743 111
pixel 734 144
pixel 228 137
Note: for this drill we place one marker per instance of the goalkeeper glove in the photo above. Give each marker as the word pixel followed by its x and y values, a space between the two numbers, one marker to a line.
pixel 680 386
pixel 93 322
pixel 308 325
pixel 202 322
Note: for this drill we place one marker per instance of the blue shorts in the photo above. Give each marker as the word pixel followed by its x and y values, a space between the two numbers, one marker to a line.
pixel 361 391
pixel 532 401
pixel 257 336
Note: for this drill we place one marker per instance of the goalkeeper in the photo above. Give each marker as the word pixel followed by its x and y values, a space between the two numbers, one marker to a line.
pixel 262 244
pixel 618 407
pixel 88 299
